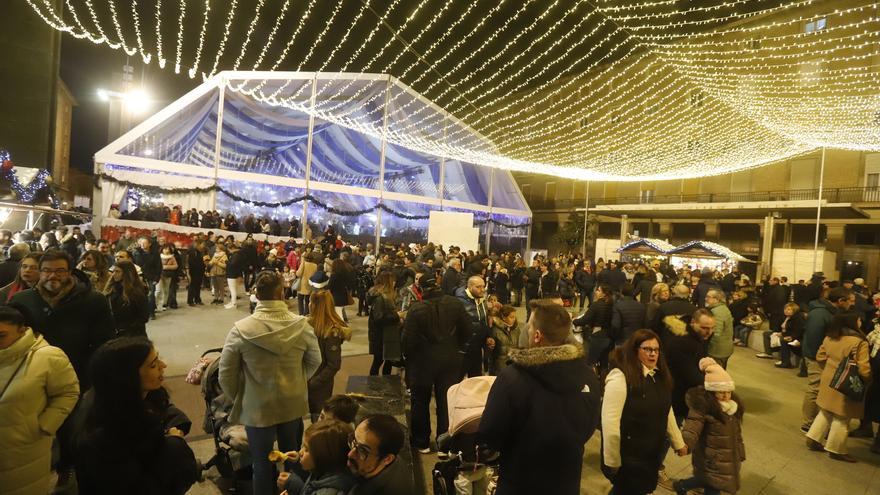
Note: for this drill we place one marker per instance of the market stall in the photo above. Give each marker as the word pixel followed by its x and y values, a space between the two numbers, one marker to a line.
pixel 705 254
pixel 644 248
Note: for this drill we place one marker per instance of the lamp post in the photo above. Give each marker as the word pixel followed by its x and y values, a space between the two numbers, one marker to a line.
pixel 124 107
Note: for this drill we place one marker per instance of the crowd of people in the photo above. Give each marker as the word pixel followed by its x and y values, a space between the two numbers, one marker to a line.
pixel 640 350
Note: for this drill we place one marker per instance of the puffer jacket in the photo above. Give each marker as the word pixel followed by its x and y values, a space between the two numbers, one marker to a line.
pixel 628 315
pixel 265 364
pixel 506 339
pixel 40 397
pixel 683 349
pixel 715 440
pixel 383 328
pixel 721 342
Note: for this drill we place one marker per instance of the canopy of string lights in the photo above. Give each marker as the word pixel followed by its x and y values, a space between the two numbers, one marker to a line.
pixel 594 90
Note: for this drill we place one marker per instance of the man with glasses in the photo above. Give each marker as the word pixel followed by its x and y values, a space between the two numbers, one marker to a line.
pixel 373 458
pixel 71 315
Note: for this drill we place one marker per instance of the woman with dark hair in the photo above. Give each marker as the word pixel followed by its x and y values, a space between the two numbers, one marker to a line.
pixel 596 323
pixel 132 437
pixel 38 390
pixel 331 332
pixel 637 416
pixel 27 277
pixel 383 325
pixel 342 282
pixel 128 300
pixel 94 264
pixel 843 339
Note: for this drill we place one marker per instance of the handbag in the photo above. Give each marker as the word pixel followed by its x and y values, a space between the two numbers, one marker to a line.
pixel 350 299
pixel 294 286
pixel 846 379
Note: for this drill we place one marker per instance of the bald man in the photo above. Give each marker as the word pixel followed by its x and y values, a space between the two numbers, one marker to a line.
pixel 474 298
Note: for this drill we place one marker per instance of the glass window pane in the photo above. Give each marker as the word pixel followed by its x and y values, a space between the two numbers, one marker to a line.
pixel 353 217
pixel 411 172
pixel 259 192
pixel 466 182
pixel 509 233
pixel 343 156
pixel 397 230
pixel 505 193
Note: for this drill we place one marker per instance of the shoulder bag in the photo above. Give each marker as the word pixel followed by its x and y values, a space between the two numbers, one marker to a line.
pixel 846 378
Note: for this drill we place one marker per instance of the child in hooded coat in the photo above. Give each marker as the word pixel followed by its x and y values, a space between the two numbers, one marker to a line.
pixel 713 433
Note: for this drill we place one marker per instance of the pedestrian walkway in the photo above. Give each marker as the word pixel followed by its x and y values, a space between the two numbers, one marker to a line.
pixel 777 461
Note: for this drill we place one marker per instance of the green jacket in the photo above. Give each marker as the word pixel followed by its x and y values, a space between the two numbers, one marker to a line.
pixel 721 342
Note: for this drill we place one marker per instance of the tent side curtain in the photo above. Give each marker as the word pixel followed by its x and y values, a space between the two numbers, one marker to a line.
pixel 116 191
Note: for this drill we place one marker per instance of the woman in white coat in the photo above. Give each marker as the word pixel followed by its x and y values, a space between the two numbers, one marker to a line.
pixel 38 389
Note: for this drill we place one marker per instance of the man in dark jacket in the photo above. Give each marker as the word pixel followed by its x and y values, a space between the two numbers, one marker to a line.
pixel 821 313
pixel 684 346
pixel 10 267
pixel 532 285
pixel 474 299
pixel 774 300
pixel 615 277
pixel 705 284
pixel 452 277
pixel 195 263
pixel 586 282
pixel 676 307
pixel 146 256
pixel 71 316
pixel 373 458
pixel 549 281
pixel 542 409
pixel 628 315
pixel 436 333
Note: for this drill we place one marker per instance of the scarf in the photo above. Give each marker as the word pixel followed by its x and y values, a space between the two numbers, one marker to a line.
pixel 729 407
pixel 53 299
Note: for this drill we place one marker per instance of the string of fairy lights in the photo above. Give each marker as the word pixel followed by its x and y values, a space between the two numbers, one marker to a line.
pixel 591 89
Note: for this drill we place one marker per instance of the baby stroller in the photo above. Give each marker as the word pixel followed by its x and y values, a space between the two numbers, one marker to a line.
pixel 465 472
pixel 232 456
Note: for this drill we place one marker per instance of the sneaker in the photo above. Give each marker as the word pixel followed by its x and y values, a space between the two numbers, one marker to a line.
pixel 736 341
pixel 814 445
pixel 443 455
pixel 778 363
pixel 66 482
pixel 229 306
pixel 842 457
pixel 665 481
pixel 764 355
pixel 806 428
pixel 862 433
pixel 426 450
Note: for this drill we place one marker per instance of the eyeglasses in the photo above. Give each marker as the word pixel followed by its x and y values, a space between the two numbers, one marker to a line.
pixel 57 271
pixel 651 350
pixel 363 451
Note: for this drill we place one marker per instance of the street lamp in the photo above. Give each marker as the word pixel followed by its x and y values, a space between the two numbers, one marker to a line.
pixel 123 106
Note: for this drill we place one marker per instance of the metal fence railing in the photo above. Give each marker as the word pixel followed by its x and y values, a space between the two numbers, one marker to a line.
pixel 831 195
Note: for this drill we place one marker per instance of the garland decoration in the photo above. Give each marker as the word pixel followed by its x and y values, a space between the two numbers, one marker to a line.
pixel 26 193
pixel 298 199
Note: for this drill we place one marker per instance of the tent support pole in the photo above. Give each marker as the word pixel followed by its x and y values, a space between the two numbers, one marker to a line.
pixel 221 82
pixel 586 216
pixel 382 165
pixel 305 211
pixel 819 210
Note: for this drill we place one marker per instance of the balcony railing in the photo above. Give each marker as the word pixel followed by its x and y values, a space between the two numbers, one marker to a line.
pixel 831 195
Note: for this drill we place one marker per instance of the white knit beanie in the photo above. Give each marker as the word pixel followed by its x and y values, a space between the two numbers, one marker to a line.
pixel 717 379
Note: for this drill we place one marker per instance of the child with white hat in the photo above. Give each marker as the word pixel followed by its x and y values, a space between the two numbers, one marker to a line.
pixel 713 433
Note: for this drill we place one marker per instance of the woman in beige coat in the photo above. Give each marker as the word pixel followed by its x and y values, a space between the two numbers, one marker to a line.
pixel 38 389
pixel 305 271
pixel 842 339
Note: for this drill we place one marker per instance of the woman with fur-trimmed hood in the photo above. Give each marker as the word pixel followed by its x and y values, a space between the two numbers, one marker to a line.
pixel 713 433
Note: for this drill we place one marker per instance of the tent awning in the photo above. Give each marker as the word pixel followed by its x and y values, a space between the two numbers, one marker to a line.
pixel 646 245
pixel 707 249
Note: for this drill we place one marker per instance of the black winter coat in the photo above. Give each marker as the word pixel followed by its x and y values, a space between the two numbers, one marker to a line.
pixel 628 315
pixel 532 282
pixel 643 290
pixel 150 263
pixel 383 319
pixel 339 286
pixel 599 314
pixel 78 324
pixel 8 270
pixel 451 281
pixel 541 411
pixel 321 383
pixel 673 307
pixel 585 282
pixel 195 264
pixel 699 295
pixel 683 349
pixel 435 335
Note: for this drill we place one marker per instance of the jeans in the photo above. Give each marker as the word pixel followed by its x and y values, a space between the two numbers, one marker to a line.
pixel 785 353
pixel 377 363
pixel 420 400
pixel 742 332
pixel 217 287
pixel 303 301
pixel 162 292
pixel 692 483
pixel 151 296
pixel 517 297
pixel 836 427
pixel 768 349
pixel 598 350
pixel 194 289
pixel 261 441
pixel 809 409
pixel 586 295
pixel 233 290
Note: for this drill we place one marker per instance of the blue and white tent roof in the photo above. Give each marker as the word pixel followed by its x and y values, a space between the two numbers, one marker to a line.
pixel 268 141
pixel 658 245
pixel 706 249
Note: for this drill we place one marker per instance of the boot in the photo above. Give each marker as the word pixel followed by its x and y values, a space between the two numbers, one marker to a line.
pixel 875 447
pixel 865 430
